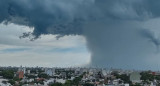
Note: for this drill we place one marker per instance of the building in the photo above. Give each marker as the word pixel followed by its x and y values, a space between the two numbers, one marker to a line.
pixel 24 70
pixel 20 74
pixel 126 84
pixel 135 77
pixel 49 71
pixel 28 71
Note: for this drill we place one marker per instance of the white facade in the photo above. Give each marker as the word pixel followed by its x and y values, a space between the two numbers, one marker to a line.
pixel 24 70
pixel 50 71
pixel 135 77
pixel 2 84
pixel 126 84
pixel 28 71
pixel 61 81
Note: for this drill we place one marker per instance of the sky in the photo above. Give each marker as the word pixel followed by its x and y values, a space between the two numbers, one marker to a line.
pixel 47 51
pixel 98 33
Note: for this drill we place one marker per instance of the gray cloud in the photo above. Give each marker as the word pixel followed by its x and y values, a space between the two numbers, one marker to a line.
pixel 112 28
pixel 150 35
pixel 67 17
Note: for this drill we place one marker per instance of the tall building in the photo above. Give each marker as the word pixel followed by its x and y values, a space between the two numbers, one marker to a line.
pixel 24 70
pixel 20 75
pixel 20 72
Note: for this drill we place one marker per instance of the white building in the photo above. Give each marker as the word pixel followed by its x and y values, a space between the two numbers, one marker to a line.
pixel 60 81
pixel 50 71
pixel 135 77
pixel 4 84
pixel 24 70
pixel 104 72
pixel 28 71
pixel 48 82
pixel 126 84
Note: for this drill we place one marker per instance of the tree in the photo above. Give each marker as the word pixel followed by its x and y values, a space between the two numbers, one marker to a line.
pixel 146 76
pixel 30 76
pixel 12 82
pixel 42 75
pixel 8 74
pixel 16 79
pixel 68 83
pixel 136 84
pixel 123 77
pixel 157 77
pixel 88 84
pixel 57 84
pixel 76 80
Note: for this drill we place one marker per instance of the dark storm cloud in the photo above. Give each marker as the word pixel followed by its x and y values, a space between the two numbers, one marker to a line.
pixel 47 17
pixel 112 27
pixel 66 17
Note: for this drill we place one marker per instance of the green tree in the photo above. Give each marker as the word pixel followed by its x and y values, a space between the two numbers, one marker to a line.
pixel 157 77
pixel 88 84
pixel 57 84
pixel 42 75
pixel 16 79
pixel 30 76
pixel 76 80
pixel 8 74
pixel 68 83
pixel 12 82
pixel 136 84
pixel 146 76
pixel 124 77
